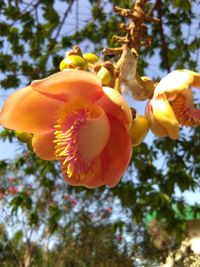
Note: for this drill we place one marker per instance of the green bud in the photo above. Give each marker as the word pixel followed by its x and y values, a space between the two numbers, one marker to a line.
pixel 91 58
pixel 104 75
pixel 73 62
pixel 23 137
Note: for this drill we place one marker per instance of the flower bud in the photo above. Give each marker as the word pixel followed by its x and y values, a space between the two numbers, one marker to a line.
pixel 139 130
pixel 149 85
pixel 104 75
pixel 75 51
pixel 73 62
pixel 91 58
pixel 107 73
pixel 23 137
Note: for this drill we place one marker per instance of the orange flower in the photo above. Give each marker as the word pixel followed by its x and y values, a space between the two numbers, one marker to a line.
pixel 76 121
pixel 172 103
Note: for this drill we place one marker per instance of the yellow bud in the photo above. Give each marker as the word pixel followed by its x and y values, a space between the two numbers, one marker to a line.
pixel 75 51
pixel 72 62
pixel 104 75
pixel 139 130
pixel 142 88
pixel 149 84
pixel 23 137
pixel 91 58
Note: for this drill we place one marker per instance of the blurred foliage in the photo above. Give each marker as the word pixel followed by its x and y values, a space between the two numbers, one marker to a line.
pixel 53 223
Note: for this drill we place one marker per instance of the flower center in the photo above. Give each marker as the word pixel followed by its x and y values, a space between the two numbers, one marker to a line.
pixel 186 114
pixel 67 145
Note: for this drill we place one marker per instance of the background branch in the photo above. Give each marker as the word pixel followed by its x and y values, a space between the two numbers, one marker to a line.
pixel 164 47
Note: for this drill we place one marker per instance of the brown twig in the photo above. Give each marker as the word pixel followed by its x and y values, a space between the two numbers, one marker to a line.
pixel 136 30
pixel 34 6
pixel 152 8
pixel 63 19
pixel 61 25
pixel 126 63
pixel 164 47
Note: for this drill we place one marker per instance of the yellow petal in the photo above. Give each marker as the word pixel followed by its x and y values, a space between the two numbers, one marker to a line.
pixel 139 129
pixel 164 114
pixel 177 81
pixel 162 119
pixel 156 128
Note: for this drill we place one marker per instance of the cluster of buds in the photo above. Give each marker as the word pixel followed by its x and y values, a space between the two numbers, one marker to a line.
pixel 74 59
pixel 115 75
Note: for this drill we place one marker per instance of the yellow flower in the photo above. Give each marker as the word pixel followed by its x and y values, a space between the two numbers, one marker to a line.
pixel 177 88
pixel 172 104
